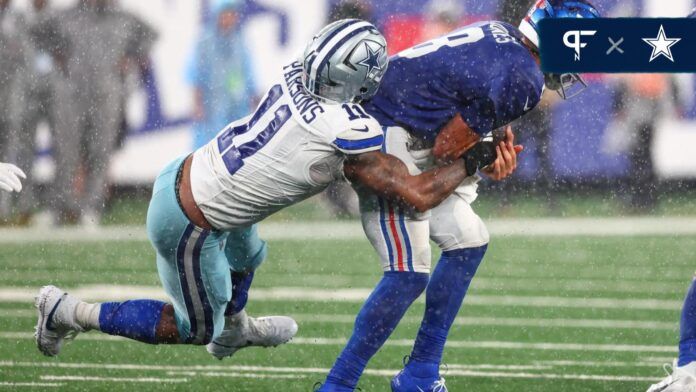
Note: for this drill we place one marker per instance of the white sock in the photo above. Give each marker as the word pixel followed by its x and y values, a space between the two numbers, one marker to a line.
pixel 87 315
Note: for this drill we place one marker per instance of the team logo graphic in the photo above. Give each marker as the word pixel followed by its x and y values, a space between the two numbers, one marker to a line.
pixel 576 42
pixel 662 46
pixel 372 59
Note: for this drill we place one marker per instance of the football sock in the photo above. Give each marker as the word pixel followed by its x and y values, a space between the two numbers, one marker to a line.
pixel 377 319
pixel 241 283
pixel 443 298
pixel 87 315
pixel 687 336
pixel 136 320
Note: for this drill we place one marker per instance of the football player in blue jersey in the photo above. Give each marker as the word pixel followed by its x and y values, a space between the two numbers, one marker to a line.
pixel 683 376
pixel 437 100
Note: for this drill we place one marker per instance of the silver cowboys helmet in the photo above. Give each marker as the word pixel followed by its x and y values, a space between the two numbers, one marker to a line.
pixel 345 62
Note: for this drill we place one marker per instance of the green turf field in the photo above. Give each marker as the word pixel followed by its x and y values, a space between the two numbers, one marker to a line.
pixel 543 314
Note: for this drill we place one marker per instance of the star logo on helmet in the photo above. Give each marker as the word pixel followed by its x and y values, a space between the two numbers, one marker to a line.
pixel 372 59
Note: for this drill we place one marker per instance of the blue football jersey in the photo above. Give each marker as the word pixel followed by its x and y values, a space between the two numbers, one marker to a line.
pixel 481 71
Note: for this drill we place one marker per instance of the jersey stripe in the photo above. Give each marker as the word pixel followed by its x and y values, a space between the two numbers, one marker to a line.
pixel 385 234
pixel 407 241
pixel 397 241
pixel 345 144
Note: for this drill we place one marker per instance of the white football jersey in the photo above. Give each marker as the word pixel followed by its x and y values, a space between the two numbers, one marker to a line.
pixel 291 148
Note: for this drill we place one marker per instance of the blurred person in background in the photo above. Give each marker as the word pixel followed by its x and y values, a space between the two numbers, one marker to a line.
pixel 97 44
pixel 537 125
pixel 639 103
pixel 221 73
pixel 13 65
pixel 43 95
pixel 442 17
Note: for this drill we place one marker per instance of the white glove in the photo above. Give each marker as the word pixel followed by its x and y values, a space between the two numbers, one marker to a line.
pixel 10 177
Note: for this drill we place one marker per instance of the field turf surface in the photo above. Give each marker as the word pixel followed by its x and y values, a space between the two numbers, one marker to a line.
pixel 543 314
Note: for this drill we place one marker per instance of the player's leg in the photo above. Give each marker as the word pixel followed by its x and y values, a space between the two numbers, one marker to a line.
pixel 401 240
pixel 463 238
pixel 68 128
pixel 244 253
pixel 194 274
pixel 101 143
pixel 683 377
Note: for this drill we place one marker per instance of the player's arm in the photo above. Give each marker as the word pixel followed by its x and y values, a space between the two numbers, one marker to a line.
pixel 388 177
pixel 457 137
pixel 10 176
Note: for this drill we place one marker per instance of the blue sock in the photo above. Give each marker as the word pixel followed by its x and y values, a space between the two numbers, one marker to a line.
pixel 377 319
pixel 131 319
pixel 687 336
pixel 241 283
pixel 443 298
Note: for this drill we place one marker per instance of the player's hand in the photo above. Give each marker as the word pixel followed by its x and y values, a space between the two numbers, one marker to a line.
pixel 506 163
pixel 10 177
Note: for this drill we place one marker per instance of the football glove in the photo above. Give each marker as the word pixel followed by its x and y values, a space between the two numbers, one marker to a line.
pixel 10 177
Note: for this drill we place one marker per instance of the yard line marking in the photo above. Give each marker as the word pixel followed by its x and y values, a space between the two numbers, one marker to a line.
pixel 352 230
pixel 118 292
pixel 114 379
pixel 553 363
pixel 30 384
pixel 464 344
pixel 509 321
pixel 462 321
pixel 451 344
pixel 233 375
pixel 462 371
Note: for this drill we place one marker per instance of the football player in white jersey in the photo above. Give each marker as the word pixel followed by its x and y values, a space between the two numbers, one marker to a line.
pixel 307 132
pixel 11 177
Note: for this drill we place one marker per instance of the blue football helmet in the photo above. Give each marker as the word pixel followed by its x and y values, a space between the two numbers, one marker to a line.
pixel 570 84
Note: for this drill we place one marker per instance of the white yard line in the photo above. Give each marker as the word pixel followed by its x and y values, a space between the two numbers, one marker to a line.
pixel 234 375
pixel 120 292
pixel 114 379
pixel 451 344
pixel 341 230
pixel 468 320
pixel 30 384
pixel 457 370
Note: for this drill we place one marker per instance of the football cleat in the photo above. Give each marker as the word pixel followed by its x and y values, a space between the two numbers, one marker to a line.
pixel 405 381
pixel 679 380
pixel 56 320
pixel 243 331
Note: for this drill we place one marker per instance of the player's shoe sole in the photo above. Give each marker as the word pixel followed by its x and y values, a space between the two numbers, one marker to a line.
pixel 48 333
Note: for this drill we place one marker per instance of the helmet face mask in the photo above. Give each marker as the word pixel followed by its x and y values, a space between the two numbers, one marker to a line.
pixel 567 85
pixel 345 62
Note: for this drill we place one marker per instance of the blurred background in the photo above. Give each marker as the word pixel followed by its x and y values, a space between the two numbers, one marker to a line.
pixel 98 95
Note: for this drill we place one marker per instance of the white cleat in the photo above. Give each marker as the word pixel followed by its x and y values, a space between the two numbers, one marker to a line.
pixel 56 320
pixel 243 331
pixel 680 380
